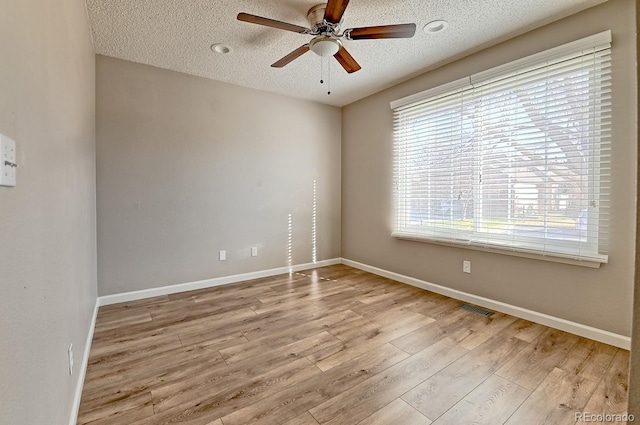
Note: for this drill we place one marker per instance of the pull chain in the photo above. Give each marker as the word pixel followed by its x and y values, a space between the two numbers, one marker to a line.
pixel 329 76
pixel 328 73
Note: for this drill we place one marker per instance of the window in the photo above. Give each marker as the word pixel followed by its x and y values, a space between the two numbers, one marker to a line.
pixel 515 158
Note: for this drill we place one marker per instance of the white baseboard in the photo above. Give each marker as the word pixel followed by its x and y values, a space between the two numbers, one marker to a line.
pixel 83 368
pixel 209 283
pixel 606 337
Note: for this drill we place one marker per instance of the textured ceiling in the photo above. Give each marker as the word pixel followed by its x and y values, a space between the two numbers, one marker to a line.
pixel 178 34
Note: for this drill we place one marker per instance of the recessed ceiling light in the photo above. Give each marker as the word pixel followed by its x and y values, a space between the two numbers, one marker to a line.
pixel 220 48
pixel 436 26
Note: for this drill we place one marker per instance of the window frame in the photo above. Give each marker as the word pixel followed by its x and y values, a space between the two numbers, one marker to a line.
pixel 558 250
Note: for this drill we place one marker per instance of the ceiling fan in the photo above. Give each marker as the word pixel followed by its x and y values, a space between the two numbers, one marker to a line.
pixel 325 20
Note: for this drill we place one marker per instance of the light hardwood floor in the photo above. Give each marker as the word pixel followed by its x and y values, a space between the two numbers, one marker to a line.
pixel 338 346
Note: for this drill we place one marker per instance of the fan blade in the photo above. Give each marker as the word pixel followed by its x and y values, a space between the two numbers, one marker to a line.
pixel 347 61
pixel 384 31
pixel 291 56
pixel 253 19
pixel 334 11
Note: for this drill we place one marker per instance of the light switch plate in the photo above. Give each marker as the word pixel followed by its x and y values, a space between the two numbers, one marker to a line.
pixel 254 251
pixel 7 161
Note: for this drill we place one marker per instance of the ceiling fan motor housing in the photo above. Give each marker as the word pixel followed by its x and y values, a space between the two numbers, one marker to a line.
pixel 318 25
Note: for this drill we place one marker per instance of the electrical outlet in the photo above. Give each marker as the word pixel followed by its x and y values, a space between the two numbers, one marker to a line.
pixel 223 255
pixel 254 251
pixel 466 266
pixel 70 353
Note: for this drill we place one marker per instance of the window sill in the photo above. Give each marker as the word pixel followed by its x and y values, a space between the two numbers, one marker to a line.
pixel 592 261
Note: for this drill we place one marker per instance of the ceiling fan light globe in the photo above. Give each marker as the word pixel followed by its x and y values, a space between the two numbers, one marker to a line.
pixel 325 47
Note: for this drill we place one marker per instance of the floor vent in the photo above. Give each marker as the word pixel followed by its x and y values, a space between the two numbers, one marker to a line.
pixel 474 309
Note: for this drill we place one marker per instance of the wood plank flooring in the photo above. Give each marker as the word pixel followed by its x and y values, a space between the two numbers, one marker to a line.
pixel 338 346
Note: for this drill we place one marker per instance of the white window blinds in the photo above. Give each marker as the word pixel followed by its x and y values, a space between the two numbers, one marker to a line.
pixel 515 158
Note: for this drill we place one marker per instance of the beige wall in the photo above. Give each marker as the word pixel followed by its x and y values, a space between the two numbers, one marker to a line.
pixel 634 375
pixel 47 222
pixel 594 297
pixel 189 166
